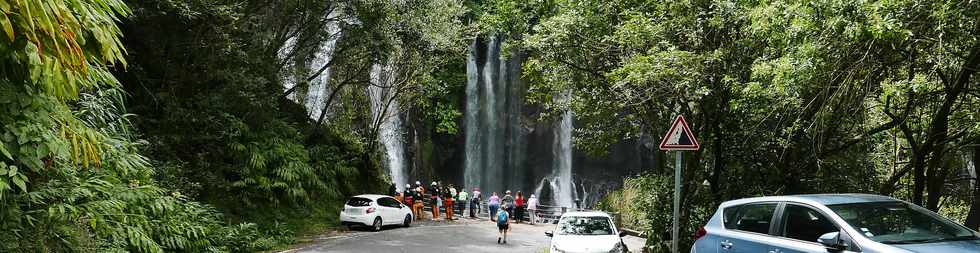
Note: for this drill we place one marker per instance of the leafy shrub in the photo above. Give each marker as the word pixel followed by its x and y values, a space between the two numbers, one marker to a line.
pixel 646 204
pixel 249 237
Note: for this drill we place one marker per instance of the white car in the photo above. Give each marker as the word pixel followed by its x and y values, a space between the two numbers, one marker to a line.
pixel 375 211
pixel 586 232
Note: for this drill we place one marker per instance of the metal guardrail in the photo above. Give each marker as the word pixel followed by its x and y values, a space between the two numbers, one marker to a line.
pixel 544 213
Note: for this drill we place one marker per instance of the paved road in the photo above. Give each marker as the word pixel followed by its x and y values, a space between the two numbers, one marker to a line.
pixel 440 236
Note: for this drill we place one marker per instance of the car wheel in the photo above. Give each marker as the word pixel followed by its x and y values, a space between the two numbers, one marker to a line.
pixel 377 224
pixel 408 220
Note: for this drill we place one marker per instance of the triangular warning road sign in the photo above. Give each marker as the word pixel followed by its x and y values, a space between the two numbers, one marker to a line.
pixel 679 137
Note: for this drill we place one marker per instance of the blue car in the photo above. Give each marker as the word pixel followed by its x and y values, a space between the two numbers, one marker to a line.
pixel 831 223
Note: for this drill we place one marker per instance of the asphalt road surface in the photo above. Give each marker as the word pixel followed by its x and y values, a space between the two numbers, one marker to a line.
pixel 440 236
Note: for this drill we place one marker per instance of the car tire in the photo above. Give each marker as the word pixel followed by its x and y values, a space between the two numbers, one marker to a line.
pixel 408 220
pixel 377 224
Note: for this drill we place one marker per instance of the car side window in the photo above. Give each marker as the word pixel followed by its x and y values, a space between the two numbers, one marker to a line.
pixel 384 202
pixel 754 218
pixel 393 203
pixel 805 224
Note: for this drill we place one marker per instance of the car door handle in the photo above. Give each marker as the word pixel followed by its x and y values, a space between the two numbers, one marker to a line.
pixel 726 245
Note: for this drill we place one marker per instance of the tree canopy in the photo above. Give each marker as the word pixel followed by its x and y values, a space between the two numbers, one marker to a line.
pixel 233 126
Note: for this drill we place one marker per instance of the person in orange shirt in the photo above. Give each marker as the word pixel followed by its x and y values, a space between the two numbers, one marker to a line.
pixel 447 199
pixel 434 200
pixel 400 196
pixel 419 199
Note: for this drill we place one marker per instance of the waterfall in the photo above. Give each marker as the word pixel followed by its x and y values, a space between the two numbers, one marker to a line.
pixel 492 172
pixel 487 118
pixel 314 95
pixel 499 151
pixel 563 157
pixel 472 174
pixel 385 110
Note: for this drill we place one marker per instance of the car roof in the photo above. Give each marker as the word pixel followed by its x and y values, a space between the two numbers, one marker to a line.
pixel 585 214
pixel 820 199
pixel 371 196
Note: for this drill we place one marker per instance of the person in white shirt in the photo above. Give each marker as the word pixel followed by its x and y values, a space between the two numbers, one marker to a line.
pixel 532 208
pixel 475 203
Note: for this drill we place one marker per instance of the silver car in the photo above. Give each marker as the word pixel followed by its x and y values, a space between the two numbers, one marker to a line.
pixel 830 223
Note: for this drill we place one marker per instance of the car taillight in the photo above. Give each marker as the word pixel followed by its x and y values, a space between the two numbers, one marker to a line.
pixel 700 233
pixel 370 210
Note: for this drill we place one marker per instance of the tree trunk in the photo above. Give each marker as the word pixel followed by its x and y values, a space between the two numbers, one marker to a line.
pixel 918 179
pixel 973 218
pixel 937 181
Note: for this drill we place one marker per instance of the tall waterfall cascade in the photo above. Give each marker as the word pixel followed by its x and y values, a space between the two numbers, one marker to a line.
pixel 385 113
pixel 499 131
pixel 563 190
pixel 314 71
pixel 494 136
pixel 472 169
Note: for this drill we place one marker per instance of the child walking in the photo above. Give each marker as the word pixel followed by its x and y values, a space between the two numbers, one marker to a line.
pixel 503 225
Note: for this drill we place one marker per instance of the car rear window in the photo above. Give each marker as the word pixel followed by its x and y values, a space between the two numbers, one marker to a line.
pixel 355 201
pixel 754 218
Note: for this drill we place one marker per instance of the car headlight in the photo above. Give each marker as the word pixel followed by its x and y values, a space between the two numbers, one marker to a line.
pixel 618 248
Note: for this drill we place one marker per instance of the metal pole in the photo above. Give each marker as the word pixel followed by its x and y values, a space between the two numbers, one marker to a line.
pixel 677 202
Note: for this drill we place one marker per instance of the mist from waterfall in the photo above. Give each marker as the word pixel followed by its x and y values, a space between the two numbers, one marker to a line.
pixel 385 112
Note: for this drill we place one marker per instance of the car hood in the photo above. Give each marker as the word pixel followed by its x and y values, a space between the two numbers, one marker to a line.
pixel 954 246
pixel 585 243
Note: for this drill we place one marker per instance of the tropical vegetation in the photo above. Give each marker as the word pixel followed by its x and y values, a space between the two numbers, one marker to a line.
pixel 186 125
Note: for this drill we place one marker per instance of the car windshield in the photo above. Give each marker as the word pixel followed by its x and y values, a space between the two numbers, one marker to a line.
pixel 585 225
pixel 358 202
pixel 900 223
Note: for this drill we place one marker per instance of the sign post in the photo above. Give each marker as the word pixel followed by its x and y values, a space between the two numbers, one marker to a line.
pixel 678 138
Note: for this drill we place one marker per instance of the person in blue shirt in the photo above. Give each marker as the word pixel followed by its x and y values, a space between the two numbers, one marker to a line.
pixel 503 225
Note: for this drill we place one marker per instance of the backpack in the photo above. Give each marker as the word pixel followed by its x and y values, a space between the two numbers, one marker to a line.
pixel 502 217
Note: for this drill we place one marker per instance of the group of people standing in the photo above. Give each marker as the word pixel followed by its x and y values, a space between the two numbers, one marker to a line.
pixel 447 197
pixel 510 207
pixel 438 196
pixel 456 201
pixel 515 206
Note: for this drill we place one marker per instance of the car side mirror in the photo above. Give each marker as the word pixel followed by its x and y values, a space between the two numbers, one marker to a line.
pixel 549 234
pixel 832 241
pixel 622 233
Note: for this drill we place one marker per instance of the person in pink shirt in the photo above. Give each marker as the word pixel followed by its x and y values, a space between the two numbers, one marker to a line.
pixel 494 203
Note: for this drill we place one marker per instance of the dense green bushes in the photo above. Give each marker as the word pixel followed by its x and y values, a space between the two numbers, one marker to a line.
pixel 73 175
pixel 117 206
pixel 645 203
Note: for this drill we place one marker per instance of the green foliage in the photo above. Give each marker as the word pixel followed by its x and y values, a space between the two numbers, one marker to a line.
pixel 797 97
pixel 50 53
pixel 645 203
pixel 73 178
